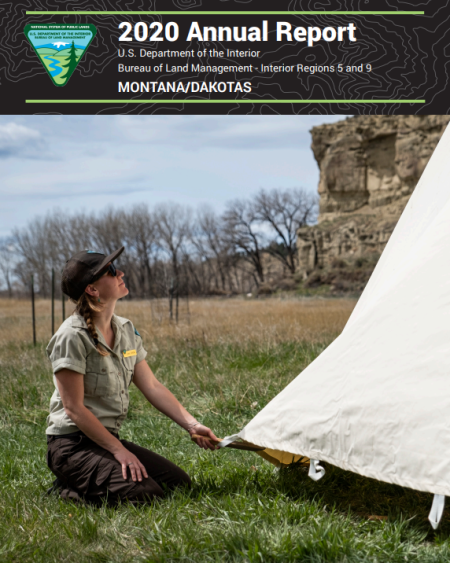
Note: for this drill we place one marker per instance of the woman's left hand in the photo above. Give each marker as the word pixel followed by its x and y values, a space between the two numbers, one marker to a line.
pixel 204 443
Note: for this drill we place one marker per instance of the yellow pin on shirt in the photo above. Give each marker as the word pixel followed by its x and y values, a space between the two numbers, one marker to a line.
pixel 128 353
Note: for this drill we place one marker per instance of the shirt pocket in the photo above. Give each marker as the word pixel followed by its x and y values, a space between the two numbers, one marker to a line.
pixel 128 368
pixel 101 379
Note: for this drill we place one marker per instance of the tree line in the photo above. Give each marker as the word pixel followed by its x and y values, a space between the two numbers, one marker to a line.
pixel 170 249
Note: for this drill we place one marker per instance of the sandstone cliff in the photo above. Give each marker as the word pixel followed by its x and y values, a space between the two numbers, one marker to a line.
pixel 369 166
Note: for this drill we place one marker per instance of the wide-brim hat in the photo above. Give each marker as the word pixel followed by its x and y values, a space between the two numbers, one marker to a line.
pixel 84 268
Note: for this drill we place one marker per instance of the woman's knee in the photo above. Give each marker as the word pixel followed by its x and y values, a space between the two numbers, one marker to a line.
pixel 183 479
pixel 144 491
pixel 148 490
pixel 174 479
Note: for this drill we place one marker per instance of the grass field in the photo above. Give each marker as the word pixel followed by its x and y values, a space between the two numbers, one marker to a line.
pixel 224 360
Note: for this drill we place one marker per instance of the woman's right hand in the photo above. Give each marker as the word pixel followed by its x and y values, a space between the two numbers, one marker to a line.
pixel 129 460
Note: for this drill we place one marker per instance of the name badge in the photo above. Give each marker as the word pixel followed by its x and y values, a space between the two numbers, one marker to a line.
pixel 128 353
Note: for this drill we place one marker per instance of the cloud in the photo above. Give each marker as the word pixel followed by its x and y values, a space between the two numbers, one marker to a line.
pixel 226 132
pixel 93 161
pixel 19 141
pixel 189 133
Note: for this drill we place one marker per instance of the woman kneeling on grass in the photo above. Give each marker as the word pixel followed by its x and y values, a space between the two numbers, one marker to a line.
pixel 95 356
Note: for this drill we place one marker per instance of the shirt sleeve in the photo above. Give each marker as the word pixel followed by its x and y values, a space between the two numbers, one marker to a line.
pixel 67 351
pixel 141 353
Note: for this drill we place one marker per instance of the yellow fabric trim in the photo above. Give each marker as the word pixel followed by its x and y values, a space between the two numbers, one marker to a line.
pixel 278 458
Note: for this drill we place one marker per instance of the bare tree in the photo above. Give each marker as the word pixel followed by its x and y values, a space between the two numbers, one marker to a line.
pixel 35 245
pixel 167 251
pixel 46 243
pixel 173 226
pixel 284 211
pixel 108 232
pixel 242 234
pixel 69 234
pixel 140 240
pixel 213 251
pixel 7 263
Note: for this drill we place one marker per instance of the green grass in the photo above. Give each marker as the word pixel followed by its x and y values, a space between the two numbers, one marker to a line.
pixel 42 51
pixel 239 508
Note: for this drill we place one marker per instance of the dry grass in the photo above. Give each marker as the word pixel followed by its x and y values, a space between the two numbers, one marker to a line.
pixel 262 321
pixel 222 351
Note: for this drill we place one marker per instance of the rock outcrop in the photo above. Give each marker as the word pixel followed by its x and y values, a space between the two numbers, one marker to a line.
pixel 369 166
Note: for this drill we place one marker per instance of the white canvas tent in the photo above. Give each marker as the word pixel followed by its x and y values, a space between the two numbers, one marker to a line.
pixel 377 400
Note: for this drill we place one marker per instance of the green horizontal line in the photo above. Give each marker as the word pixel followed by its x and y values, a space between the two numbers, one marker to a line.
pixel 224 13
pixel 225 101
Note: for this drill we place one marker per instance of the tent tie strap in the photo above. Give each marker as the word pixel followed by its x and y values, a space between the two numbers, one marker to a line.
pixel 437 509
pixel 228 440
pixel 316 471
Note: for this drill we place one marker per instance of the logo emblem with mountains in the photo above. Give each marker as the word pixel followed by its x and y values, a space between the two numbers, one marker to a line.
pixel 60 47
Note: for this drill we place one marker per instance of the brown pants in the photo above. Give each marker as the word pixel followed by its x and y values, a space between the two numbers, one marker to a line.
pixel 87 471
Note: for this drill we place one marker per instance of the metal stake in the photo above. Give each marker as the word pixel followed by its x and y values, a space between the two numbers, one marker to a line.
pixel 53 301
pixel 32 310
pixel 171 300
pixel 187 303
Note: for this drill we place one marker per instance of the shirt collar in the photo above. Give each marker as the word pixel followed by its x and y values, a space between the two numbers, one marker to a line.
pixel 116 322
pixel 79 322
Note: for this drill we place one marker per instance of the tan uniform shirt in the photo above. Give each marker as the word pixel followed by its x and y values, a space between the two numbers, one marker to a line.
pixel 106 378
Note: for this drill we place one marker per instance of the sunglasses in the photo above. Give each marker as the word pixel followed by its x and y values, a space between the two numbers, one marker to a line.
pixel 110 270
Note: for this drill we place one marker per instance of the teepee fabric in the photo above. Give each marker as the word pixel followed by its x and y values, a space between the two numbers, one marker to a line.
pixel 377 400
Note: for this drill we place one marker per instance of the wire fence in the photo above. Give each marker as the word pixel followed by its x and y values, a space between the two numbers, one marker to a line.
pixel 174 308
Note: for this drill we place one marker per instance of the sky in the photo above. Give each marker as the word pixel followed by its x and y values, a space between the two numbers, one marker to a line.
pixel 77 163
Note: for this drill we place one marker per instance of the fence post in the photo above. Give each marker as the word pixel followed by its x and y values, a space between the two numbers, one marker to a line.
pixel 32 310
pixel 171 300
pixel 53 301
pixel 187 303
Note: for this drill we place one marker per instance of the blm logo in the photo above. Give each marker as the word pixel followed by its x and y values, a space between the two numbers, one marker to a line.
pixel 60 47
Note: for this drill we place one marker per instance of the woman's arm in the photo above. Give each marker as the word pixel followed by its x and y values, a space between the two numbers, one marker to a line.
pixel 71 388
pixel 161 398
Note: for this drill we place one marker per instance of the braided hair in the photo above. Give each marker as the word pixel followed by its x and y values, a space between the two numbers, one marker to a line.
pixel 86 306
